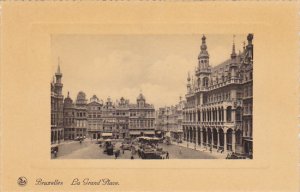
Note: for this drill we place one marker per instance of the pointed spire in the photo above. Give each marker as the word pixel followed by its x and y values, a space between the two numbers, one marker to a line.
pixel 203 53
pixel 233 54
pixel 58 67
pixel 188 78
pixel 68 94
pixel 203 46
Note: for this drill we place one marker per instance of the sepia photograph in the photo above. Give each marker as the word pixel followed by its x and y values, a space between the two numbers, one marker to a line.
pixel 152 97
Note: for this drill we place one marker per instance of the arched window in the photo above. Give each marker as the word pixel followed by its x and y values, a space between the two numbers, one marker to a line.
pixel 228 114
pixel 205 82
pixel 238 137
pixel 238 114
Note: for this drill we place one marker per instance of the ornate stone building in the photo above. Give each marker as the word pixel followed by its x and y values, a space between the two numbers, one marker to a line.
pixel 81 124
pixel 94 119
pixel 122 118
pixel 218 112
pixel 109 119
pixel 169 120
pixel 141 118
pixel 69 119
pixel 57 130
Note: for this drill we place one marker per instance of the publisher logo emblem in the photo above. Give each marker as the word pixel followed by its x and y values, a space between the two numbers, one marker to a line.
pixel 22 181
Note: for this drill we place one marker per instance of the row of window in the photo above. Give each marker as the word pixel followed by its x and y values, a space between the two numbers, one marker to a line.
pixel 146 114
pixel 55 119
pixel 73 129
pixel 219 97
pixel 94 116
pixel 56 104
pixel 213 115
pixel 247 128
pixel 81 123
pixel 247 109
pixel 247 91
pixel 94 108
pixel 68 121
pixel 141 123
pixel 79 114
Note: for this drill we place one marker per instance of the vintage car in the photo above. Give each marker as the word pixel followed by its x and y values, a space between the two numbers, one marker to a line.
pixel 79 138
pixel 108 147
pixel 151 154
pixel 125 146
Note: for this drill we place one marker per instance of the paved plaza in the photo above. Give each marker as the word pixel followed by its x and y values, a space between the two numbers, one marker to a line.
pixel 90 150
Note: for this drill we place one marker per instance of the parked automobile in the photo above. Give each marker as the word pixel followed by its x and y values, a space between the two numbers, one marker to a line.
pixel 126 146
pixel 79 138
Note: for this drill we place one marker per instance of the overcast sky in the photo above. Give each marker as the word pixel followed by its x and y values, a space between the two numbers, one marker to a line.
pixel 125 65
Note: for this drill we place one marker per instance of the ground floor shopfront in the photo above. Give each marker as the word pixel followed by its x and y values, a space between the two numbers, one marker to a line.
pixel 111 135
pixel 57 135
pixel 219 139
pixel 73 133
pixel 137 133
pixel 177 135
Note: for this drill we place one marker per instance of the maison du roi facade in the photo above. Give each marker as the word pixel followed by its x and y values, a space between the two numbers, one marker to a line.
pixel 218 112
pixel 95 118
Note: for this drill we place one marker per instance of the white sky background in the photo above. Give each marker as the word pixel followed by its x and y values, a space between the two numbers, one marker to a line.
pixel 123 65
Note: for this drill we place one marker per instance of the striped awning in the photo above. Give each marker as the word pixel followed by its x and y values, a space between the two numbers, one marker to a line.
pixel 106 134
pixel 177 131
pixel 134 132
pixel 149 132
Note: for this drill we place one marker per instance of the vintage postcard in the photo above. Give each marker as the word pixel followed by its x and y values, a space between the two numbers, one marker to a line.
pixel 149 96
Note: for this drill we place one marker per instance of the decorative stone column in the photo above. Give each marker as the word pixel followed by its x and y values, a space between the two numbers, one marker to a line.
pixel 225 115
pixel 212 138
pixel 225 141
pixel 233 141
pixel 188 134
pixel 206 137
pixel 56 136
pixel 233 115
pixel 196 141
pixel 201 119
pixel 201 137
pixel 218 139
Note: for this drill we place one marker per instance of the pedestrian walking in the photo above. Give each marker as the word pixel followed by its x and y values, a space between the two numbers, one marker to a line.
pixel 55 153
pixel 131 157
pixel 167 156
